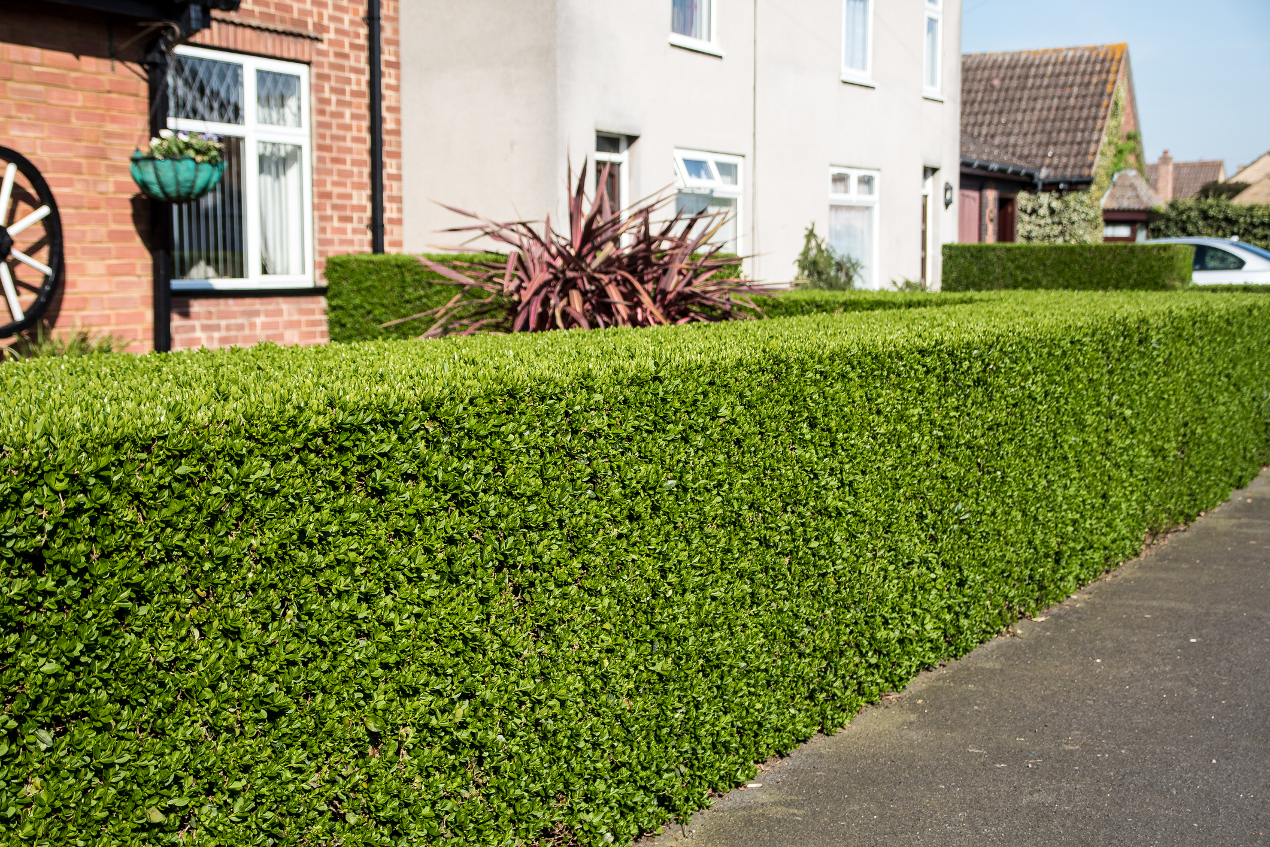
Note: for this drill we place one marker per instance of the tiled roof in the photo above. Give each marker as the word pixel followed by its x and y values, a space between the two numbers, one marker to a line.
pixel 1045 108
pixel 1254 172
pixel 1188 177
pixel 1130 193
pixel 975 150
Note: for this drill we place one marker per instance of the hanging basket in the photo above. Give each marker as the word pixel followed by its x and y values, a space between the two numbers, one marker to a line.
pixel 178 180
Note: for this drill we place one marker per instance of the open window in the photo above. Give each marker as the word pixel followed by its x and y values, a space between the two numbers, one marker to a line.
pixel 711 182
pixel 254 230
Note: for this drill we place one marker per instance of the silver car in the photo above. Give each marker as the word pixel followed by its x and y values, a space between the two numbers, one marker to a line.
pixel 1221 261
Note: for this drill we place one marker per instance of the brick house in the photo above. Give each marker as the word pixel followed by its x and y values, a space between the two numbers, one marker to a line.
pixel 1038 120
pixel 1182 180
pixel 287 83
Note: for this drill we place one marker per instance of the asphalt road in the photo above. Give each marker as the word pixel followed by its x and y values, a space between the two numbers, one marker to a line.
pixel 1137 712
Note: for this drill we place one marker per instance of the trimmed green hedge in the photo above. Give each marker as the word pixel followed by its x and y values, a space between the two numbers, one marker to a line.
pixel 554 588
pixel 810 301
pixel 1088 267
pixel 1215 218
pixel 366 290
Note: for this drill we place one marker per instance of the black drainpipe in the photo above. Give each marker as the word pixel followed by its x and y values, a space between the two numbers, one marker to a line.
pixel 376 131
pixel 157 62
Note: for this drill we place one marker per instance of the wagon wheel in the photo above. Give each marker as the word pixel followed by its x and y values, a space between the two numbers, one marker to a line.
pixel 30 243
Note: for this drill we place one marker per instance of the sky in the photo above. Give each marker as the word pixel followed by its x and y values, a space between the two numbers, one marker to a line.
pixel 1201 70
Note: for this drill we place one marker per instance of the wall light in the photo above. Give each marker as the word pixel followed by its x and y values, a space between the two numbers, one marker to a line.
pixel 948 194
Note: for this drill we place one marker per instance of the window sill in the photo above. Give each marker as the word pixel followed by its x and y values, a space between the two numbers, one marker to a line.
pixel 242 286
pixel 696 45
pixel 933 96
pixel 860 81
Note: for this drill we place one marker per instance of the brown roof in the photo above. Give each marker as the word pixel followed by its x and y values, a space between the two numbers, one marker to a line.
pixel 1188 177
pixel 1130 193
pixel 1047 108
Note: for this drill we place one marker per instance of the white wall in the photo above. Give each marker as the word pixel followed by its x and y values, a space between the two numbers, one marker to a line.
pixel 479 116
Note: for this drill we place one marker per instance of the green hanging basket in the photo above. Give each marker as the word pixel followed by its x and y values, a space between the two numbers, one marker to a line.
pixel 178 180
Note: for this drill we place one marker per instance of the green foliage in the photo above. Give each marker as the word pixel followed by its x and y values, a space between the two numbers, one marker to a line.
pixel 1128 153
pixel 1049 217
pixel 555 588
pixel 1089 267
pixel 199 146
pixel 42 343
pixel 1214 218
pixel 807 301
pixel 1220 190
pixel 365 290
pixel 822 267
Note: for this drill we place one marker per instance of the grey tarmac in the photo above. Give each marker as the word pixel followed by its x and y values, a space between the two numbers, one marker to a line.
pixel 1137 712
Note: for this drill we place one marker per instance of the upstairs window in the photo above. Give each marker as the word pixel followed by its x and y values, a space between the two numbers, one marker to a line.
pixel 857 40
pixel 254 230
pixel 932 51
pixel 693 25
pixel 711 182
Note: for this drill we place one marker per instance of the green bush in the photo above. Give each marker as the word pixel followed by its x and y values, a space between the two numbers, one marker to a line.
pixel 365 290
pixel 807 301
pixel 1089 267
pixel 819 266
pixel 555 588
pixel 1214 218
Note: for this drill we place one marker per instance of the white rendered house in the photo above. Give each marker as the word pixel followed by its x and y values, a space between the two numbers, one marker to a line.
pixel 844 113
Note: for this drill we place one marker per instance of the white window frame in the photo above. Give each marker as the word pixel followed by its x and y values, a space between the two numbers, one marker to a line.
pixel 253 134
pixel 935 12
pixel 852 197
pixel 714 186
pixel 621 158
pixel 855 76
pixel 700 45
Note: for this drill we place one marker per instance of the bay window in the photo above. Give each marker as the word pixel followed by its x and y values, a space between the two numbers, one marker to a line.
pixel 853 208
pixel 711 182
pixel 254 230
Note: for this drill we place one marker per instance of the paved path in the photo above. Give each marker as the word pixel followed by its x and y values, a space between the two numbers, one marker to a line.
pixel 1137 712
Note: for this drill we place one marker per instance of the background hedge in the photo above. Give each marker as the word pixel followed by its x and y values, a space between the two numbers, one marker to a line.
pixel 553 588
pixel 365 290
pixel 1089 267
pixel 1215 218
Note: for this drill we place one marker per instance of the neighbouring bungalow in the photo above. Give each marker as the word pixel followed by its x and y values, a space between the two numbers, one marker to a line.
pixel 1127 207
pixel 1257 176
pixel 1049 120
pixel 1182 180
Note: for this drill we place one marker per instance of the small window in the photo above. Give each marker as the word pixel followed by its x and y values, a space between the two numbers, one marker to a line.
pixel 693 19
pixel 1117 230
pixel 1215 259
pixel 933 49
pixel 857 40
pixel 711 182
pixel 853 209
pixel 255 228
pixel 612 151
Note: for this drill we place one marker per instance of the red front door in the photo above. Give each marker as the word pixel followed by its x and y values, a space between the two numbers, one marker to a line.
pixel 968 221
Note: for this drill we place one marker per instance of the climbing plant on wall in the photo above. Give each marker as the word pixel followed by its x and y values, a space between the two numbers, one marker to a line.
pixel 1051 217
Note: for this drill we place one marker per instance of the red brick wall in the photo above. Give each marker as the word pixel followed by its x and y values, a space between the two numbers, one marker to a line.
pixel 225 321
pixel 77 116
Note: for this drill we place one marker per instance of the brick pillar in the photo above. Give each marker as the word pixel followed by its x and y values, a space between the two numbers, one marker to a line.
pixel 988 213
pixel 1164 177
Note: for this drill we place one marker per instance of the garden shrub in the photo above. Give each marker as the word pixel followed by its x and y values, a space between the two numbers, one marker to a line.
pixel 366 290
pixel 810 301
pixel 1214 218
pixel 1091 267
pixel 555 588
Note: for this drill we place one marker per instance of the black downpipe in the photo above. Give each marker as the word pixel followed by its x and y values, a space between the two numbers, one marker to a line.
pixel 158 61
pixel 376 131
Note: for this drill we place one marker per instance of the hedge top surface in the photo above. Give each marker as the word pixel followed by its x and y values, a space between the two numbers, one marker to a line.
pixel 106 398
